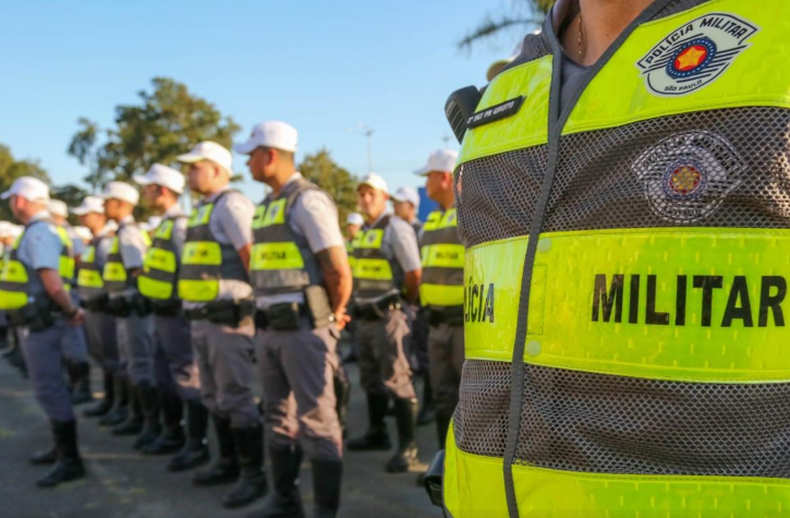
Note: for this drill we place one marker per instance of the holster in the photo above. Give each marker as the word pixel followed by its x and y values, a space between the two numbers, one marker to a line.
pixel 280 317
pixel 37 316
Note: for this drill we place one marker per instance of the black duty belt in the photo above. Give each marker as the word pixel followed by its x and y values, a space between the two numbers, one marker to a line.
pixel 453 316
pixel 281 317
pixel 223 312
pixel 123 305
pixel 166 308
pixel 97 304
pixel 373 311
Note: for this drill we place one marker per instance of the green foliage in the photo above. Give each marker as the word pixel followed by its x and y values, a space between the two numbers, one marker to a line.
pixel 10 170
pixel 321 169
pixel 72 195
pixel 524 15
pixel 167 122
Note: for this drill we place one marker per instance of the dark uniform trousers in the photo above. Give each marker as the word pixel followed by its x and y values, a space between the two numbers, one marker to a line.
pixel 446 358
pixel 175 364
pixel 102 340
pixel 43 352
pixel 225 362
pixel 297 369
pixel 384 366
pixel 136 347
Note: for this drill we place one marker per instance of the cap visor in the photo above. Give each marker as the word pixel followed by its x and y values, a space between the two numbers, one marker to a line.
pixel 423 171
pixel 79 211
pixel 190 158
pixel 6 195
pixel 246 148
pixel 141 179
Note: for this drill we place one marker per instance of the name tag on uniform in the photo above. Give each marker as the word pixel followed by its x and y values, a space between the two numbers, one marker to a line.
pixel 496 112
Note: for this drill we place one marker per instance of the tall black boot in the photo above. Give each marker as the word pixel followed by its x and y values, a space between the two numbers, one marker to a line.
pixel 69 464
pixel 428 410
pixel 44 457
pixel 172 437
pixel 81 384
pixel 406 419
pixel 151 404
pixel 120 410
pixel 342 396
pixel 133 424
pixel 327 479
pixel 105 405
pixel 376 438
pixel 284 501
pixel 225 469
pixel 195 451
pixel 252 482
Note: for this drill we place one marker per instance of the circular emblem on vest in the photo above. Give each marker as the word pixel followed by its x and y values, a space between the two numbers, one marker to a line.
pixel 692 58
pixel 687 176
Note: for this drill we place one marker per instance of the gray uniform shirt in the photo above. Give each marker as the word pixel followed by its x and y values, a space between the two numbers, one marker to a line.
pixel 103 248
pixel 314 217
pixel 77 244
pixel 40 248
pixel 132 244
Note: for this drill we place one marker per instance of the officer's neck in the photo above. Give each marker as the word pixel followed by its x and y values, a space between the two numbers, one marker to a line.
pixel 166 205
pixel 603 22
pixel 32 215
pixel 278 180
pixel 446 200
pixel 374 217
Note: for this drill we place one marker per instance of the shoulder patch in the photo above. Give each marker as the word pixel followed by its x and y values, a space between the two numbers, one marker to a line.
pixel 696 54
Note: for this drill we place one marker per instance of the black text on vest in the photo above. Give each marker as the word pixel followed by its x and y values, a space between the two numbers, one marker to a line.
pixel 479 303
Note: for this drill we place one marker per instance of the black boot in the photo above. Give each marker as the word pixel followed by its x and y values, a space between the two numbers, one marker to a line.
pixel 226 468
pixel 428 410
pixel 327 476
pixel 133 424
pixel 81 383
pixel 120 410
pixel 284 501
pixel 151 404
pixel 342 396
pixel 45 457
pixel 172 437
pixel 69 464
pixel 406 419
pixel 376 438
pixel 105 405
pixel 195 451
pixel 252 481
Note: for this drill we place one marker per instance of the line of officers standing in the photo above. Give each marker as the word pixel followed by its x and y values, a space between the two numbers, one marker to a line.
pixel 179 321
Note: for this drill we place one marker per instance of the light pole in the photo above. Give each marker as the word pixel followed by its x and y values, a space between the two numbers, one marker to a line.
pixel 368 132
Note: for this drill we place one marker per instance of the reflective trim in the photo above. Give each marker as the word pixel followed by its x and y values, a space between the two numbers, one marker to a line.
pixel 201 216
pixel 443 256
pixel 153 288
pixel 441 295
pixel 89 279
pixel 271 214
pixel 276 256
pixel 373 269
pixel 370 239
pixel 165 230
pixel 675 304
pixel 10 300
pixel 159 259
pixel 202 252
pixel 198 291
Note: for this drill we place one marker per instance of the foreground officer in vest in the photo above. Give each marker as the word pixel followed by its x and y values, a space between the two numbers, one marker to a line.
pixel 134 322
pixel 13 353
pixel 387 270
pixel 174 363
pixel 75 345
pixel 644 370
pixel 442 287
pixel 299 270
pixel 214 285
pixel 100 327
pixel 34 291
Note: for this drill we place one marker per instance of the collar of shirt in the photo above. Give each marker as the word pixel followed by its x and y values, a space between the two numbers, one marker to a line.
pixel 173 212
pixel 376 221
pixel 128 220
pixel 212 198
pixel 38 216
pixel 293 178
pixel 105 231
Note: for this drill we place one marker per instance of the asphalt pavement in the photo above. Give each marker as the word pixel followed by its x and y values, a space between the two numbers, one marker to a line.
pixel 124 484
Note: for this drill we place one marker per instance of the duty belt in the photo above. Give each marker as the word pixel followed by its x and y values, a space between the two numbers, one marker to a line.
pixel 166 308
pixel 224 312
pixel 124 304
pixel 281 317
pixel 98 304
pixel 377 310
pixel 453 316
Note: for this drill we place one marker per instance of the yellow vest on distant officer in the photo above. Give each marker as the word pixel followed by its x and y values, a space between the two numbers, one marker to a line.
pixel 627 345
pixel 442 261
pixel 160 268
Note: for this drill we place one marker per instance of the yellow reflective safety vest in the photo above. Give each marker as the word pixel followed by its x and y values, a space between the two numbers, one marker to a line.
pixel 375 274
pixel 160 268
pixel 89 278
pixel 442 261
pixel 20 284
pixel 204 261
pixel 281 260
pixel 115 274
pixel 632 251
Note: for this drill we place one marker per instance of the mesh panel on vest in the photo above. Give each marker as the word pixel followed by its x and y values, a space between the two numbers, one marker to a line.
pixel 678 6
pixel 600 423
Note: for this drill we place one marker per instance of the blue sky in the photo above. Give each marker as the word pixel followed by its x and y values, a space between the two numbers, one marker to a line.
pixel 322 66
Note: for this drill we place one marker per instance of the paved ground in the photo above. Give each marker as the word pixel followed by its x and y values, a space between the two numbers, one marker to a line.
pixel 123 484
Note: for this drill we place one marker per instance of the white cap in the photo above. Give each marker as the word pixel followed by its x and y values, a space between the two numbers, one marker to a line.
pixel 29 188
pixel 121 191
pixel 440 160
pixel 163 176
pixel 273 134
pixel 355 218
pixel 8 229
pixel 58 208
pixel 89 204
pixel 83 232
pixel 210 151
pixel 407 194
pixel 375 181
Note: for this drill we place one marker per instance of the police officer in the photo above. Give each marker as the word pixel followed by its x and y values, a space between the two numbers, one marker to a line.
pixel 214 285
pixel 386 276
pixel 175 364
pixel 99 325
pixel 618 196
pixel 34 286
pixel 11 352
pixel 74 342
pixel 135 325
pixel 299 270
pixel 406 205
pixel 354 223
pixel 442 287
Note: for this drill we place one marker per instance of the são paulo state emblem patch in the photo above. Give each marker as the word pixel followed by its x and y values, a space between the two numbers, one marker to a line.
pixel 696 54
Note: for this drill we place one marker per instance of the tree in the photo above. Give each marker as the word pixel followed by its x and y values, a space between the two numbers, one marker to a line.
pixel 321 169
pixel 10 170
pixel 167 122
pixel 72 195
pixel 523 14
